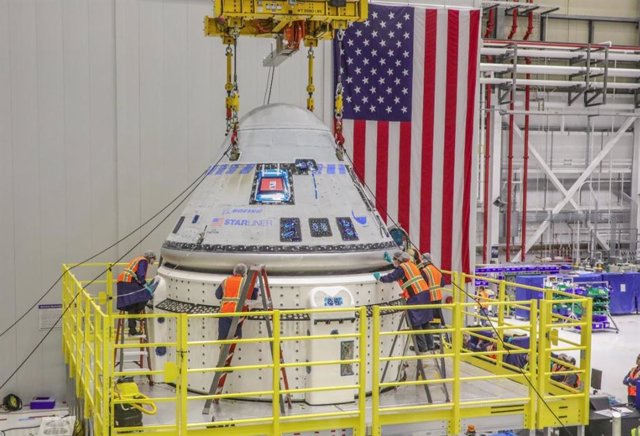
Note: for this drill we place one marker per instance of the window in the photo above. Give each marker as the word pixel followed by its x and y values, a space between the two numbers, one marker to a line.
pixel 347 230
pixel 319 227
pixel 272 186
pixel 290 230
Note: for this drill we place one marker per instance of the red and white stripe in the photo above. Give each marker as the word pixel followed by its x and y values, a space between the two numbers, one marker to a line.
pixel 421 172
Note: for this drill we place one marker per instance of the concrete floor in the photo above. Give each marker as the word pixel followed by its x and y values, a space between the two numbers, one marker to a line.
pixel 615 354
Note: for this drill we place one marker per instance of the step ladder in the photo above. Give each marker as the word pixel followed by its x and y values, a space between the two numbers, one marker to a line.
pixel 121 356
pixel 437 322
pixel 256 274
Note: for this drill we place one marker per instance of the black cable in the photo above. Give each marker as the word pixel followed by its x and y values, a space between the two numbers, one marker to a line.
pixel 101 252
pixel 476 300
pixel 269 84
pixel 273 73
pixel 17 428
pixel 99 275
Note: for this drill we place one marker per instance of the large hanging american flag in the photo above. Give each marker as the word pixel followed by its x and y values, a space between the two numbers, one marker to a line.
pixel 410 122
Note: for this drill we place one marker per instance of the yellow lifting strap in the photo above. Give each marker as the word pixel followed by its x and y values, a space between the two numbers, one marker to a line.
pixel 310 86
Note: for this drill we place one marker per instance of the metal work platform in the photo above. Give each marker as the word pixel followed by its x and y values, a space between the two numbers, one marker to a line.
pixel 234 410
pixel 497 373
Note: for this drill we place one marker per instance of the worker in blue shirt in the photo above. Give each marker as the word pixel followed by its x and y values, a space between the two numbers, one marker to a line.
pixel 416 291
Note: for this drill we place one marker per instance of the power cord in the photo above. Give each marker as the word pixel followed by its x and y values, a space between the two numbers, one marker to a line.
pixel 199 180
pixel 103 251
pixel 476 300
pixel 17 428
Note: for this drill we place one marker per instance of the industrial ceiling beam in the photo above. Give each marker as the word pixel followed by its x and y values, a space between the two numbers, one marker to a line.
pixel 578 183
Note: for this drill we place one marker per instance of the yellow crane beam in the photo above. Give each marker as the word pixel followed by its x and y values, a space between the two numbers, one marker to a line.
pixel 319 18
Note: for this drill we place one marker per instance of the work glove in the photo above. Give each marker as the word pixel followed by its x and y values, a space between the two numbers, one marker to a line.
pixel 376 275
pixel 387 257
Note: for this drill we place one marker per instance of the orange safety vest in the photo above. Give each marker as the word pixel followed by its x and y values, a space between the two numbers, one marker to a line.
pixel 433 277
pixel 555 367
pixel 577 383
pixel 484 298
pixel 231 294
pixel 413 283
pixel 631 390
pixel 129 274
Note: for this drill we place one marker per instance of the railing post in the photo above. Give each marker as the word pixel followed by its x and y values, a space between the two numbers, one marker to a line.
pixel 97 360
pixel 275 399
pixel 181 392
pixel 502 297
pixel 78 323
pixel 86 361
pixel 375 372
pixel 107 377
pixel 109 290
pixel 502 290
pixel 65 326
pixel 543 360
pixel 585 357
pixel 455 287
pixel 458 322
pixel 530 422
pixel 362 373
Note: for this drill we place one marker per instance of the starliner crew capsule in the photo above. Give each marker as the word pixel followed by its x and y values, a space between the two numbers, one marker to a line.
pixel 290 204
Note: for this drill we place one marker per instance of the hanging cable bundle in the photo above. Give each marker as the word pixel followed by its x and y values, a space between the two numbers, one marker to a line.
pixel 338 103
pixel 232 101
pixel 310 86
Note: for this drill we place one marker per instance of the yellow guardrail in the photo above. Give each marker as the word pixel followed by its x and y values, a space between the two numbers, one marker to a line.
pixel 543 399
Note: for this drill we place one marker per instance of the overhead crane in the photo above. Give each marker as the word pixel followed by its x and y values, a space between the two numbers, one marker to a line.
pixel 291 23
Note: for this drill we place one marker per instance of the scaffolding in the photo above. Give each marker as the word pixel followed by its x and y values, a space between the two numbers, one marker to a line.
pixel 489 389
pixel 583 88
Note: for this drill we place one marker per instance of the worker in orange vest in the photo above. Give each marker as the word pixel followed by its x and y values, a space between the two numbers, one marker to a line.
pixel 132 288
pixel 630 381
pixel 433 276
pixel 229 293
pixel 572 380
pixel 484 297
pixel 415 291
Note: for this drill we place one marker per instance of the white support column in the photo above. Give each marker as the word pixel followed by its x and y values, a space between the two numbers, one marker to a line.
pixel 635 179
pixel 495 182
pixel 578 183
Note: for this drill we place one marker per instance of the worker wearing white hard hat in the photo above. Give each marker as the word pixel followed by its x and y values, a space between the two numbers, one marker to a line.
pixel 132 288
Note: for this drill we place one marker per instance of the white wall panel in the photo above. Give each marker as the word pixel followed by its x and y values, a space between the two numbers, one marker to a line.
pixel 154 170
pixel 203 103
pixel 52 180
pixel 127 67
pixel 7 253
pixel 77 112
pixel 26 193
pixel 102 124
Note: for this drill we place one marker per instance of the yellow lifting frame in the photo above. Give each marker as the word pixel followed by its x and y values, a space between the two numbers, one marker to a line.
pixel 270 18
